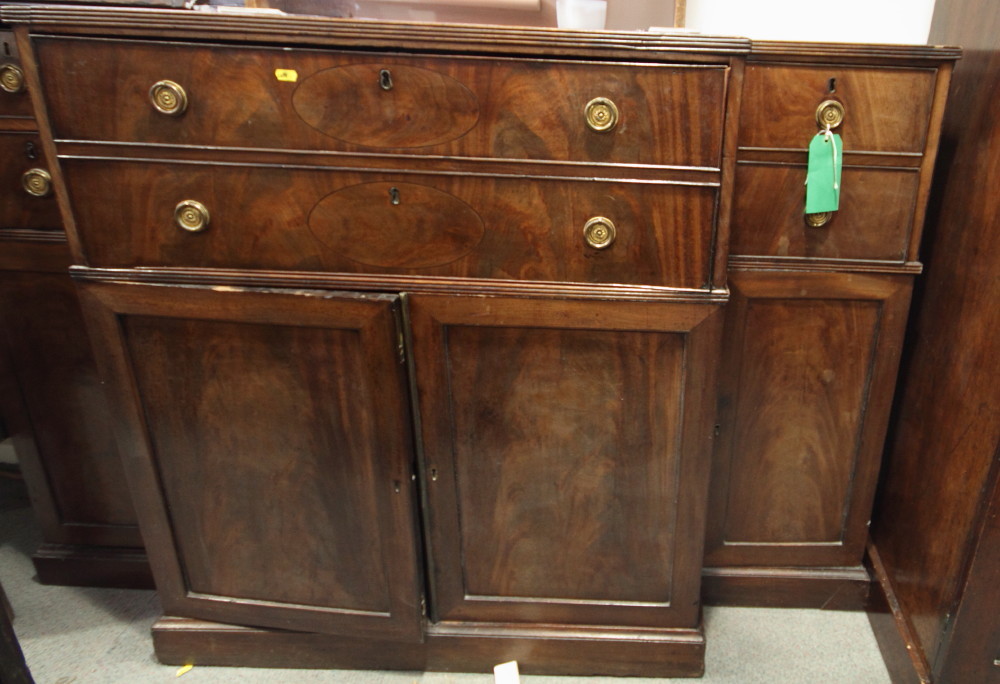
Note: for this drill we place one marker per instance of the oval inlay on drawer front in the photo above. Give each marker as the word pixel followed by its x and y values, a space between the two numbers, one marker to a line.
pixel 396 225
pixel 386 105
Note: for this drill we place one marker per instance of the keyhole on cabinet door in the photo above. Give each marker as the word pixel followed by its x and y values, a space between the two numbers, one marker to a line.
pixel 434 474
pixel 832 85
pixel 30 151
pixel 385 79
pixel 6 48
pixel 394 196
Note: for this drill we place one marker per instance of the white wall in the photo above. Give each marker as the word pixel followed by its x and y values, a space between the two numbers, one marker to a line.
pixel 848 21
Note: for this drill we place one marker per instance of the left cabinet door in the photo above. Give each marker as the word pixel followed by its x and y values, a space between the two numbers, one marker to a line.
pixel 269 452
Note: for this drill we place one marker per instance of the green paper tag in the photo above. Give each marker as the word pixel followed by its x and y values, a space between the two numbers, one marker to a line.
pixel 826 157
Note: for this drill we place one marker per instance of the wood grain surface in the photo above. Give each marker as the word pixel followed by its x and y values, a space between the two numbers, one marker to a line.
pixel 515 109
pixel 561 447
pixel 886 110
pixel 932 526
pixel 277 445
pixel 272 218
pixel 874 220
pixel 809 363
pixel 21 152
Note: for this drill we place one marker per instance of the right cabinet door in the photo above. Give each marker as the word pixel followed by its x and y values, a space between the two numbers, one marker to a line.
pixel 808 376
pixel 566 448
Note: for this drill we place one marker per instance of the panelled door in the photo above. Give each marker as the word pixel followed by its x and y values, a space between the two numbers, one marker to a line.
pixel 268 433
pixel 566 450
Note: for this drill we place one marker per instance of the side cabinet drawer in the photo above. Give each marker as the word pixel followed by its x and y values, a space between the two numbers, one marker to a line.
pixel 327 100
pixel 26 197
pixel 885 110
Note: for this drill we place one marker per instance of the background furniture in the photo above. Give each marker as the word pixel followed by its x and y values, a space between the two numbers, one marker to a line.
pixel 936 532
pixel 51 398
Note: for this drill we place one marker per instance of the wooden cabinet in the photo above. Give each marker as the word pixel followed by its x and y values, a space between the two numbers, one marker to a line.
pixel 423 377
pixel 51 398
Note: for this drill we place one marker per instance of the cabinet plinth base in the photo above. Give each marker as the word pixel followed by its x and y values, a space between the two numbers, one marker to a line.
pixel 826 588
pixel 92 566
pixel 458 647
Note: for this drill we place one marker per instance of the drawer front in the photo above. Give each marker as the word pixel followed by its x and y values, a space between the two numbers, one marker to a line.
pixel 873 222
pixel 374 222
pixel 14 100
pixel 22 154
pixel 885 110
pixel 384 103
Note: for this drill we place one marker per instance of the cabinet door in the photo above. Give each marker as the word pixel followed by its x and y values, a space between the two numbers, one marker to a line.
pixel 566 448
pixel 809 370
pixel 270 453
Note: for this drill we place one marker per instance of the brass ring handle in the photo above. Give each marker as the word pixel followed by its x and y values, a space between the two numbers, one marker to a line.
pixel 829 114
pixel 599 232
pixel 601 114
pixel 37 182
pixel 818 220
pixel 168 98
pixel 11 78
pixel 192 216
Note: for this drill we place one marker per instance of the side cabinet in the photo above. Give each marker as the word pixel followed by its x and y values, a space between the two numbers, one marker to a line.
pixel 817 317
pixel 51 398
pixel 269 433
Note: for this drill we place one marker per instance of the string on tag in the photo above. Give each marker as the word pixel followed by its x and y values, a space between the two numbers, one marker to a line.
pixel 832 139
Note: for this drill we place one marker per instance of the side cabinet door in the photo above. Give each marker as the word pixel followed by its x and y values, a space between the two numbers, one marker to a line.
pixel 566 448
pixel 809 371
pixel 269 453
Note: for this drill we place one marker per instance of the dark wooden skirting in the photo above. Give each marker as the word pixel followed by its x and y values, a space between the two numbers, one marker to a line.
pixel 91 566
pixel 893 631
pixel 446 648
pixel 824 588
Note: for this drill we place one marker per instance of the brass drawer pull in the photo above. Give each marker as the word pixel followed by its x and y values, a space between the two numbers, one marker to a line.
pixel 192 216
pixel 829 114
pixel 37 182
pixel 599 232
pixel 168 98
pixel 11 78
pixel 818 220
pixel 601 114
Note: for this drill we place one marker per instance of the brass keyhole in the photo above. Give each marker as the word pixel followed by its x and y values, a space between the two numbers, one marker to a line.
pixel 394 196
pixel 385 79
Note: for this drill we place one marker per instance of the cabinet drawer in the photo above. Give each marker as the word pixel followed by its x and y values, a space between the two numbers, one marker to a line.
pixel 874 220
pixel 885 110
pixel 14 100
pixel 384 103
pixel 374 222
pixel 22 153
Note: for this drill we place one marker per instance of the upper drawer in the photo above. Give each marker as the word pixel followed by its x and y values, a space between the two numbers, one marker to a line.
pixel 14 100
pixel 314 219
pixel 885 109
pixel 389 103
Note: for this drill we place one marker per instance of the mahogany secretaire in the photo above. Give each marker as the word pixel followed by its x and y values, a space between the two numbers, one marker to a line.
pixel 424 340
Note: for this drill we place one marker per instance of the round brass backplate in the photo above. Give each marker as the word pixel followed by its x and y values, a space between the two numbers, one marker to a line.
pixel 829 114
pixel 168 98
pixel 601 114
pixel 37 182
pixel 599 232
pixel 818 220
pixel 191 215
pixel 11 78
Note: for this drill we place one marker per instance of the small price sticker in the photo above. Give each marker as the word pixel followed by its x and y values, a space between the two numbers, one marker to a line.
pixel 286 75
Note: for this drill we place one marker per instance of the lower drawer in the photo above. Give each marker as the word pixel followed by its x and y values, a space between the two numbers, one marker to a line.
pixel 874 220
pixel 391 222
